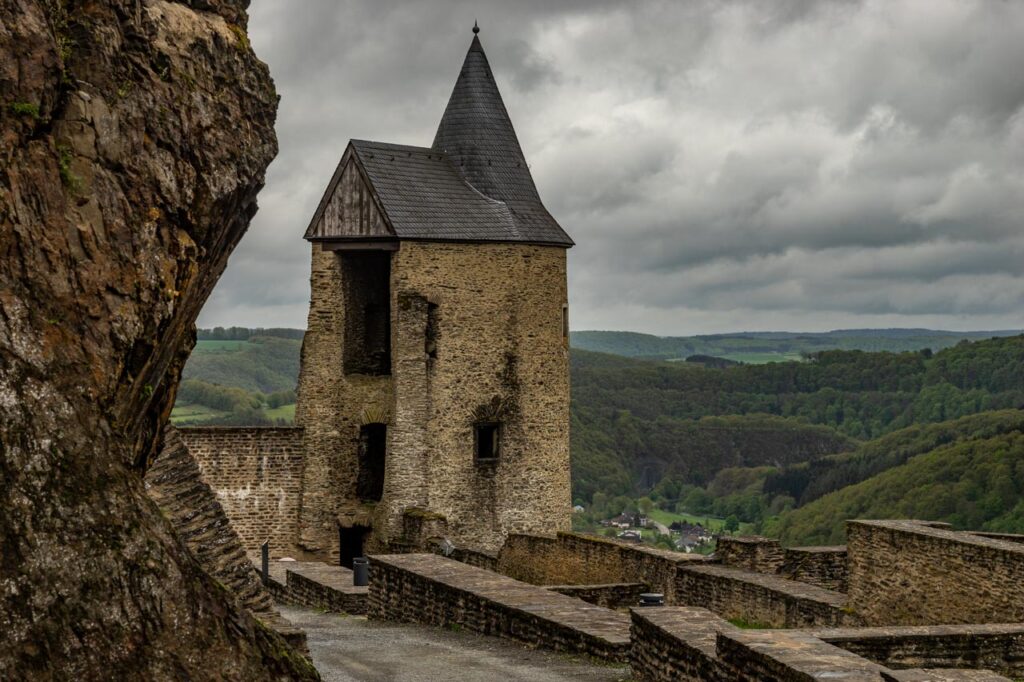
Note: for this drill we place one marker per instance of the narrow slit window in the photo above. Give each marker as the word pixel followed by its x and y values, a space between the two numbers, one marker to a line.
pixel 430 340
pixel 487 439
pixel 565 323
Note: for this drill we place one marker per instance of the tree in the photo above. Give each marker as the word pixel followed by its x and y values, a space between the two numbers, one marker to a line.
pixel 732 524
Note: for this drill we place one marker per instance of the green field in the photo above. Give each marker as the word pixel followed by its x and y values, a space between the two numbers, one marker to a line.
pixel 207 346
pixel 286 412
pixel 763 358
pixel 710 522
pixel 187 412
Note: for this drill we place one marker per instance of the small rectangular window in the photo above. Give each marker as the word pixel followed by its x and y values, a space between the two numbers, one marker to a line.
pixel 565 323
pixel 487 440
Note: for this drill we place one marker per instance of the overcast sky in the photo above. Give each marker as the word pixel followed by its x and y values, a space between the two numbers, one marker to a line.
pixel 722 166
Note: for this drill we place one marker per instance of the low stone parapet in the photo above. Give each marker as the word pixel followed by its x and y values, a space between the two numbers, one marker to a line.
pixel 316 585
pixel 673 643
pixel 433 590
pixel 751 553
pixel 765 600
pixel 997 647
pixel 778 656
pixel 611 596
pixel 821 566
pixel 579 559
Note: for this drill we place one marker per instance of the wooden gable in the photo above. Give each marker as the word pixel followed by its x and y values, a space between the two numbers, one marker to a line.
pixel 349 209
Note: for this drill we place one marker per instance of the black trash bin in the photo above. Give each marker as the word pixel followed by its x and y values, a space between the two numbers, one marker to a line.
pixel 652 599
pixel 360 571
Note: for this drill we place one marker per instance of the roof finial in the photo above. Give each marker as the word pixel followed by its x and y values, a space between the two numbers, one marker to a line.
pixel 476 28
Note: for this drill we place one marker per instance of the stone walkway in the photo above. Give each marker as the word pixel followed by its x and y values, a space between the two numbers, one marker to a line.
pixel 349 648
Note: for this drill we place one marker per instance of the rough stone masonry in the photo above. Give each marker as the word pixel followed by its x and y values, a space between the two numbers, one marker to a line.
pixel 134 137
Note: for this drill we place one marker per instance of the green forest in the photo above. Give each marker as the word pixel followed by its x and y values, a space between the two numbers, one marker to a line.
pixel 771 346
pixel 788 448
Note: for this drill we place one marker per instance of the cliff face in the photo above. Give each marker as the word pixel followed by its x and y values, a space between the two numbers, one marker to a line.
pixel 134 135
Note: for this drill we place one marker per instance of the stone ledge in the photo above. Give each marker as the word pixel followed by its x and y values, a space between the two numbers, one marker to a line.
pixel 779 656
pixel 767 599
pixel 991 646
pixel 316 585
pixel 943 675
pixel 425 588
pixel 610 596
pixel 677 643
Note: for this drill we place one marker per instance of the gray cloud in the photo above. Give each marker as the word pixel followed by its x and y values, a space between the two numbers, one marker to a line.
pixel 721 165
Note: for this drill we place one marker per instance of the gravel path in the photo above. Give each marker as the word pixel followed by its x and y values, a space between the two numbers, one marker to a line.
pixel 347 648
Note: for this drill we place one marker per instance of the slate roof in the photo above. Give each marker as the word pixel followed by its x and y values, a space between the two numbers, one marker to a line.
pixel 424 197
pixel 472 185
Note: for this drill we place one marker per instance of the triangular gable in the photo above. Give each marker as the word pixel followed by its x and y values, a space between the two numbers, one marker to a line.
pixel 349 208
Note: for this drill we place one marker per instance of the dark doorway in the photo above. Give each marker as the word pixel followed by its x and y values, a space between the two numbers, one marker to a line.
pixel 373 441
pixel 350 541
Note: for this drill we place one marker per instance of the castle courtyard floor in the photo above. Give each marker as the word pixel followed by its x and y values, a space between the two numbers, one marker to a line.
pixel 348 648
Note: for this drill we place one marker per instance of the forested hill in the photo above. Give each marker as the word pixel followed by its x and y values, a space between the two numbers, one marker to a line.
pixel 863 395
pixel 973 477
pixel 771 346
pixel 637 423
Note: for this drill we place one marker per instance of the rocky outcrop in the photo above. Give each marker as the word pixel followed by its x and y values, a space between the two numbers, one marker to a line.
pixel 134 136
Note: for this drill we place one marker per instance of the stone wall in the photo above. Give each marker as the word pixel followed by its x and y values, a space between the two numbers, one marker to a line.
pixel 902 572
pixel 790 656
pixel 428 589
pixel 174 482
pixel 677 644
pixel 751 553
pixel 256 473
pixel 995 646
pixel 764 600
pixel 495 352
pixel 821 566
pixel 613 596
pixel 670 644
pixel 301 590
pixel 578 559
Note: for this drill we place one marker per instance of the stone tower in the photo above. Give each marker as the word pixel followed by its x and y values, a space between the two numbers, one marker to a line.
pixel 434 389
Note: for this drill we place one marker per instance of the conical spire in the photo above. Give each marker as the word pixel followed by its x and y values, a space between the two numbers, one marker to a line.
pixel 477 134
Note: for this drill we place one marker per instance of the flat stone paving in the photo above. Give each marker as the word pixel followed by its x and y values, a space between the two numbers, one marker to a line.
pixel 596 621
pixel 348 648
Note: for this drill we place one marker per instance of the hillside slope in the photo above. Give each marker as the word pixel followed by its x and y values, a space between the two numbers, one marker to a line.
pixel 263 363
pixel 808 481
pixel 975 481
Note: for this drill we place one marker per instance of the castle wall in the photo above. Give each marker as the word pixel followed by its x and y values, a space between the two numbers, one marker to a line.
pixel 578 559
pixel 751 553
pixel 821 566
pixel 476 336
pixel 907 573
pixel 428 589
pixel 761 599
pixel 985 646
pixel 256 473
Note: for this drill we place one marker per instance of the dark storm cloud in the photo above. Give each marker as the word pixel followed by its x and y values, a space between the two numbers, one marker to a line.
pixel 721 165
